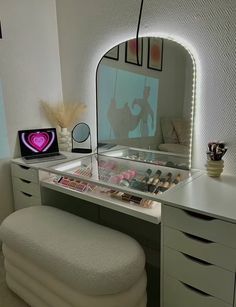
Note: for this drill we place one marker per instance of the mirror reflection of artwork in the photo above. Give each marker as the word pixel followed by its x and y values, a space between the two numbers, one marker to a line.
pixel 113 53
pixel 134 51
pixel 144 106
pixel 155 53
pixel 128 104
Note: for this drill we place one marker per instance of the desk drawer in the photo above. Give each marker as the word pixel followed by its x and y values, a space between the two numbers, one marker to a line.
pixel 199 274
pixel 178 294
pixel 23 200
pixel 26 186
pixel 209 251
pixel 200 225
pixel 24 172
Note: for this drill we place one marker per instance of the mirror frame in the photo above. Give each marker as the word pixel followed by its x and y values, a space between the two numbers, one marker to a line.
pixel 191 53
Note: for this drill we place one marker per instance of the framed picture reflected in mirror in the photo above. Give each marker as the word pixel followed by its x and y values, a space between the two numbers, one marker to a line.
pixel 113 53
pixel 134 52
pixel 155 53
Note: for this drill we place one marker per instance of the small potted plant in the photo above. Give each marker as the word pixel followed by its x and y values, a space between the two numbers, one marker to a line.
pixel 63 115
pixel 215 164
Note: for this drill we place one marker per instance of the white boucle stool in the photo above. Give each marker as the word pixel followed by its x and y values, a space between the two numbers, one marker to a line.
pixel 56 259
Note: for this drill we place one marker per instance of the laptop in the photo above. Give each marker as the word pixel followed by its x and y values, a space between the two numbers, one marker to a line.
pixel 39 145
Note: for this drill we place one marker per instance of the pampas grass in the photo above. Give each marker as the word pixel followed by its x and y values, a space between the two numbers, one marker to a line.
pixel 64 115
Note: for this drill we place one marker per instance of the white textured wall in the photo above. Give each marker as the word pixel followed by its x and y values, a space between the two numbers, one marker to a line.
pixel 29 71
pixel 89 28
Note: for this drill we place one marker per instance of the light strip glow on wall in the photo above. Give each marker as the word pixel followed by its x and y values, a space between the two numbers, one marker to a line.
pixel 195 81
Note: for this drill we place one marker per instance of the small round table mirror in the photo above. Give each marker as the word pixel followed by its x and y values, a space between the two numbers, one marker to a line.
pixel 80 133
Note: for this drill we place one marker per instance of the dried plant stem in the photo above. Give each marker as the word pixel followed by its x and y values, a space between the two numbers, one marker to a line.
pixel 64 115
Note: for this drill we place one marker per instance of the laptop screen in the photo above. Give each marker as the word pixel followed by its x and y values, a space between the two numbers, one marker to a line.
pixel 38 142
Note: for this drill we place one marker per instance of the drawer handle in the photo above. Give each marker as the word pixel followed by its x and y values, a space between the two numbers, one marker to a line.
pixel 200 261
pixel 199 215
pixel 24 167
pixel 195 290
pixel 197 238
pixel 26 194
pixel 25 181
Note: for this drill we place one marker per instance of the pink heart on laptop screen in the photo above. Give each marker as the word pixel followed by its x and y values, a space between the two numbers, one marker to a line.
pixel 38 140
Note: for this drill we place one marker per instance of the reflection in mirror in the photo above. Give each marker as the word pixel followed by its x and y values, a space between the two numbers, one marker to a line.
pixel 146 106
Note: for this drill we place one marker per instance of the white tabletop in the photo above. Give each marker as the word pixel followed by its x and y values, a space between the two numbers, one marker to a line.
pixel 69 157
pixel 212 196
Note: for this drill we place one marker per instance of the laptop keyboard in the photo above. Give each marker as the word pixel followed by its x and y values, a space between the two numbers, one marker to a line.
pixel 42 156
pixel 45 158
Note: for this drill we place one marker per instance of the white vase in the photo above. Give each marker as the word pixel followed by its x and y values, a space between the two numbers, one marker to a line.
pixel 65 143
pixel 214 168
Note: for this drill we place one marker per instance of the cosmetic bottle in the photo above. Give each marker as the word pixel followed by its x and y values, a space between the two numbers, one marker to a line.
pixel 156 178
pixel 178 177
pixel 168 181
pixel 147 175
pixel 175 181
pixel 164 183
pixel 159 186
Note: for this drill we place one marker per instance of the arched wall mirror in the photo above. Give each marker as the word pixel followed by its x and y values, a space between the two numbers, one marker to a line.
pixel 145 101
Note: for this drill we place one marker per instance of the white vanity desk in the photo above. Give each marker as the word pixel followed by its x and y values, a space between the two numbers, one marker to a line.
pixel 198 232
pixel 30 179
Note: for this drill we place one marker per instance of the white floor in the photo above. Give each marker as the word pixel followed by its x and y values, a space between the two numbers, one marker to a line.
pixel 7 297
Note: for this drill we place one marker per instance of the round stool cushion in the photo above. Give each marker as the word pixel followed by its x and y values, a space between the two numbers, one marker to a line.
pixel 89 257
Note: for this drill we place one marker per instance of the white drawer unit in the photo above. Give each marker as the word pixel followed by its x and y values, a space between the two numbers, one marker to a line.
pixel 202 275
pixel 200 225
pixel 26 186
pixel 25 172
pixel 23 200
pixel 179 294
pixel 209 251
pixel 198 259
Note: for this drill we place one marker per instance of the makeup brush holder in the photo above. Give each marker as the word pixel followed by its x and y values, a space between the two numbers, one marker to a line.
pixel 214 168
